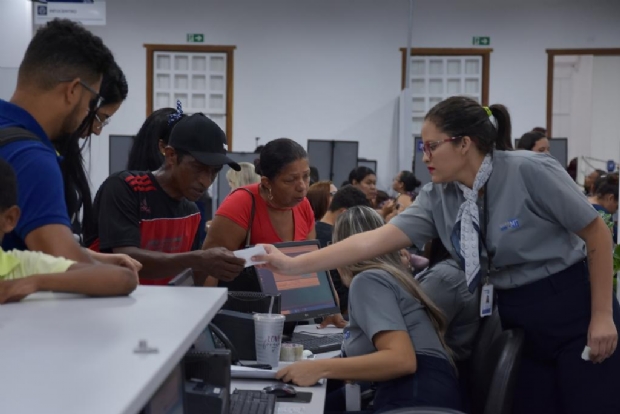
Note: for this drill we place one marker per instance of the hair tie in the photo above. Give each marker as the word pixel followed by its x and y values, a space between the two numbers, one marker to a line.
pixel 172 118
pixel 490 115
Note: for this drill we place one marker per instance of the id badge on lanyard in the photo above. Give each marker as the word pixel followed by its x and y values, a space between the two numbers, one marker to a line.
pixel 486 300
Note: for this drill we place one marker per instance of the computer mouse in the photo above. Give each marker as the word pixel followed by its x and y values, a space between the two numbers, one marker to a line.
pixel 281 390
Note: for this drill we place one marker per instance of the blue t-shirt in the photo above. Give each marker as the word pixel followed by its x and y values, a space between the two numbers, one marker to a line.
pixel 40 186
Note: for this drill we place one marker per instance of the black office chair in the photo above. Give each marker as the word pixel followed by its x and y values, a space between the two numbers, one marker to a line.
pixel 489 330
pixel 493 386
pixel 494 379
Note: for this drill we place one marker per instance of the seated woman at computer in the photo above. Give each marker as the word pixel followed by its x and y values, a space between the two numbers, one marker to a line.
pixel 26 272
pixel 395 333
pixel 281 210
pixel 152 216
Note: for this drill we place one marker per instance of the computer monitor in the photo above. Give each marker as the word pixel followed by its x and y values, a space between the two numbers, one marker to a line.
pixel 558 149
pixel 168 399
pixel 303 296
pixel 185 278
pixel 119 148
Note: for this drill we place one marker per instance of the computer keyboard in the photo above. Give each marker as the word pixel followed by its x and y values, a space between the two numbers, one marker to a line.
pixel 252 402
pixel 318 344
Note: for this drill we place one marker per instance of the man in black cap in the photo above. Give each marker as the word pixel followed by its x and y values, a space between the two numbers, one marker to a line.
pixel 152 216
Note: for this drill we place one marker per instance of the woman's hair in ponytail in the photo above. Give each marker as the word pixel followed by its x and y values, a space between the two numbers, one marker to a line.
pixel 489 128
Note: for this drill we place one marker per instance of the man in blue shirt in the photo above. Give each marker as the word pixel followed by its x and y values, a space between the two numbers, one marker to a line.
pixel 57 86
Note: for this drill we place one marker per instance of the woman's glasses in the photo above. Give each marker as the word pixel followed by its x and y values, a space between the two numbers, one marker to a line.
pixel 103 123
pixel 430 146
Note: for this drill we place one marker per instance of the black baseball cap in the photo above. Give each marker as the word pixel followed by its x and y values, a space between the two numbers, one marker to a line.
pixel 203 139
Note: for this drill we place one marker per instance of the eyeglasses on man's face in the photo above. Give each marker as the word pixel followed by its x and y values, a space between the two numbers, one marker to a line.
pixel 96 102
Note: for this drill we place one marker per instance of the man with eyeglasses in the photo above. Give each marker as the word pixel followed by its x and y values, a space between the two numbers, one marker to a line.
pixel 57 87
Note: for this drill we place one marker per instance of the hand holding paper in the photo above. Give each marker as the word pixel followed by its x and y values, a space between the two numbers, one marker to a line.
pixel 250 252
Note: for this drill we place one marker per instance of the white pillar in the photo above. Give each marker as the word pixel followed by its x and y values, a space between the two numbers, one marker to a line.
pixel 16 30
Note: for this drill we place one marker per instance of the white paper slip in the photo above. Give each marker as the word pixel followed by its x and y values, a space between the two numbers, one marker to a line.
pixel 237 371
pixel 585 355
pixel 248 253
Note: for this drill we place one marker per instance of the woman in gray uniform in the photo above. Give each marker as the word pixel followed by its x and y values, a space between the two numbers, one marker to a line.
pixel 394 336
pixel 517 222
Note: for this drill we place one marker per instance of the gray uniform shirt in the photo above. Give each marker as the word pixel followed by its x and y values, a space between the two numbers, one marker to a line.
pixel 535 209
pixel 377 303
pixel 445 284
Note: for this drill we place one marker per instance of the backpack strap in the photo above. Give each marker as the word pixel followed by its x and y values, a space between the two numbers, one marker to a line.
pixel 13 134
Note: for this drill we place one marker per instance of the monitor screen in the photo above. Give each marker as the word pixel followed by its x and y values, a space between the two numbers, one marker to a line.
pixel 168 399
pixel 302 296
pixel 120 145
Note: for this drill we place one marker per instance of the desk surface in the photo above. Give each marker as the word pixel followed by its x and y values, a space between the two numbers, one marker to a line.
pixel 316 406
pixel 69 354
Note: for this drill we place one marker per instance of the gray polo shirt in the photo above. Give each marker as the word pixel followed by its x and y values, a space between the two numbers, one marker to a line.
pixel 535 209
pixel 377 303
pixel 445 284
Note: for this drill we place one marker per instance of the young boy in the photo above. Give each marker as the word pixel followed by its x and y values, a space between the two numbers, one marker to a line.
pixel 26 272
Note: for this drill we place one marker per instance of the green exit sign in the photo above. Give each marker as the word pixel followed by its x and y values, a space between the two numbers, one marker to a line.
pixel 195 38
pixel 481 41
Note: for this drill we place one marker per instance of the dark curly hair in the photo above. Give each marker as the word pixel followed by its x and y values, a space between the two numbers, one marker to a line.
pixel 63 50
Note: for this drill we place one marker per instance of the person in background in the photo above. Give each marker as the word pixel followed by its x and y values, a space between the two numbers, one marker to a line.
pixel 320 195
pixel 25 272
pixel 282 211
pixel 588 182
pixel 57 89
pixel 540 129
pixel 148 151
pixel 571 169
pixel 605 200
pixel 540 229
pixel 151 216
pixel 314 175
pixel 347 197
pixel 246 176
pixel 78 196
pixel 405 184
pixel 394 336
pixel 534 141
pixel 445 284
pixel 365 179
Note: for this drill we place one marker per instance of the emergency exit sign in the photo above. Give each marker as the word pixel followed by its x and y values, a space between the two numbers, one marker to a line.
pixel 481 41
pixel 195 38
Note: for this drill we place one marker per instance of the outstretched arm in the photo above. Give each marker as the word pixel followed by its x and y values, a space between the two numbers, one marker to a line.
pixel 352 250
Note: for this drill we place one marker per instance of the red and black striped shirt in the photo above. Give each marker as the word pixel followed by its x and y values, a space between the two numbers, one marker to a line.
pixel 132 210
